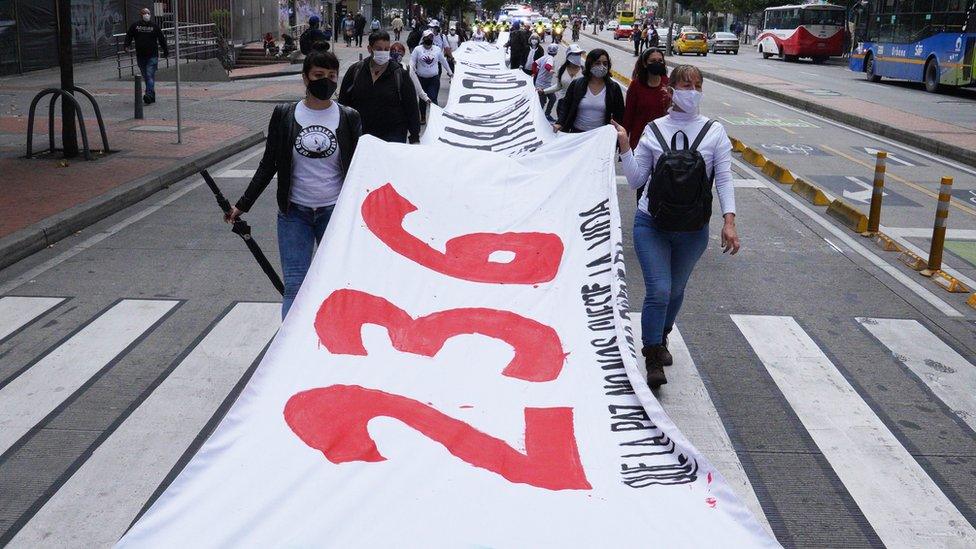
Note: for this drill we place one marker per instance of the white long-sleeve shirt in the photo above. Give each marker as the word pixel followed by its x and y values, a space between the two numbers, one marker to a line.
pixel 425 60
pixel 715 148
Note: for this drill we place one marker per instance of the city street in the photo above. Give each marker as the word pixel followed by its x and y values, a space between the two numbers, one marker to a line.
pixel 832 385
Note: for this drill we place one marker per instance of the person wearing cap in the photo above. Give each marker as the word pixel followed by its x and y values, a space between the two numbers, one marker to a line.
pixel 312 35
pixel 536 51
pixel 544 70
pixel 427 60
pixel 570 70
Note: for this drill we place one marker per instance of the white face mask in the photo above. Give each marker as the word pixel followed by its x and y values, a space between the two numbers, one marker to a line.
pixel 687 100
pixel 146 17
pixel 381 57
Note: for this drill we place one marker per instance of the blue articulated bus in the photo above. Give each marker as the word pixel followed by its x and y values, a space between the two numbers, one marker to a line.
pixel 929 41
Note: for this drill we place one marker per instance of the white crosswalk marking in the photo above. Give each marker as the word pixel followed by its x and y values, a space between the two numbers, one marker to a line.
pixel 688 404
pixel 903 505
pixel 16 312
pixel 950 376
pixel 97 504
pixel 28 398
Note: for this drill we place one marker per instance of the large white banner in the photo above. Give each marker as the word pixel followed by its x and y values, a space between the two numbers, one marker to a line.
pixel 457 370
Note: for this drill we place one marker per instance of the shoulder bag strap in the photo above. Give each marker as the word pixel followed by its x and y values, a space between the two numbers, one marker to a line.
pixel 660 137
pixel 701 134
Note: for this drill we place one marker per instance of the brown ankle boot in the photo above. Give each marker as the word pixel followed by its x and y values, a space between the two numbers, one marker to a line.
pixel 655 369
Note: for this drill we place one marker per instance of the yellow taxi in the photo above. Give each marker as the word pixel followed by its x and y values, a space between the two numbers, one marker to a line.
pixel 690 42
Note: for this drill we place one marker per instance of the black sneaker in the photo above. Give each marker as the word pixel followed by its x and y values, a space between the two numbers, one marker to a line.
pixel 146 99
pixel 655 370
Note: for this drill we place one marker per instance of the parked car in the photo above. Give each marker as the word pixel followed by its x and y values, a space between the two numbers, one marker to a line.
pixel 723 41
pixel 612 24
pixel 690 42
pixel 623 32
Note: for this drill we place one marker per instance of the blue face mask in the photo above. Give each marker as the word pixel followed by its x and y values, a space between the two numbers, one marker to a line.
pixel 396 56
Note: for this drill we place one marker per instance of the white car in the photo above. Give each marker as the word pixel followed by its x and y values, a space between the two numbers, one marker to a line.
pixel 612 24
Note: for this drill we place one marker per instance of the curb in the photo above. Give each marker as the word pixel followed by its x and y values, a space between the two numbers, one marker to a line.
pixel 240 77
pixel 36 237
pixel 810 193
pixel 779 173
pixel 848 215
pixel 906 137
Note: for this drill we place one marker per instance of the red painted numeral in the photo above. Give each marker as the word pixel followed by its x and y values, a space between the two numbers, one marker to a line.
pixel 538 352
pixel 537 255
pixel 333 420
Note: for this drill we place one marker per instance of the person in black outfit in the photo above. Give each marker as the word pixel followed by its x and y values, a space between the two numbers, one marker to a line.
pixel 149 39
pixel 413 39
pixel 313 35
pixel 596 80
pixel 360 29
pixel 382 93
pixel 310 146
pixel 518 45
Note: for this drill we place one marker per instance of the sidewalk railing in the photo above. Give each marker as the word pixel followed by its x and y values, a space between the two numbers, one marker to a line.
pixel 196 42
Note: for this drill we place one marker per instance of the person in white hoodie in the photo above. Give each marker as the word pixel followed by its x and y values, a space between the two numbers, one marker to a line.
pixel 544 70
pixel 426 60
pixel 667 257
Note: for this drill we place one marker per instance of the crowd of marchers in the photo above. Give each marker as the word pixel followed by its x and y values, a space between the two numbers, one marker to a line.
pixel 672 155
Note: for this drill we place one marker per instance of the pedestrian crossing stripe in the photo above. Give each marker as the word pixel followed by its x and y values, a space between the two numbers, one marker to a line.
pixel 130 464
pixel 108 486
pixel 18 312
pixel 903 504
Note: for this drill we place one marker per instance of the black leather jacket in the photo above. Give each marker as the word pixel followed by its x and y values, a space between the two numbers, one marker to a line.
pixel 282 132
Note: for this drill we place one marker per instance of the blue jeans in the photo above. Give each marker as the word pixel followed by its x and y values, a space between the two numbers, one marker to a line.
pixel 667 259
pixel 299 231
pixel 148 68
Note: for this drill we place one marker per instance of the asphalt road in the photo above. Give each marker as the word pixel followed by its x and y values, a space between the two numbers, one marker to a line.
pixel 834 78
pixel 831 385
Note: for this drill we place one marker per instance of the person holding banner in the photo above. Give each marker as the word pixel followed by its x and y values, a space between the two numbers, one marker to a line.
pixel 571 69
pixel 427 61
pixel 310 146
pixel 544 70
pixel 670 233
pixel 594 100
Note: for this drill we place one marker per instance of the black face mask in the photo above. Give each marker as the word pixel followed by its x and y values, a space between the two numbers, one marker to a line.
pixel 657 69
pixel 428 41
pixel 323 88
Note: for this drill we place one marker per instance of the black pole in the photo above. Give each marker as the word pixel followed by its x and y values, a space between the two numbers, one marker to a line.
pixel 69 136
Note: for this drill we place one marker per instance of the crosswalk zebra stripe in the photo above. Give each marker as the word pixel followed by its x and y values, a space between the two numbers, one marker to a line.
pixel 904 506
pixel 39 390
pixel 96 505
pixel 688 404
pixel 950 376
pixel 17 312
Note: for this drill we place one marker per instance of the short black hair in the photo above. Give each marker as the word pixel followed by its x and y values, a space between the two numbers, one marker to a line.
pixel 320 58
pixel 378 36
pixel 592 58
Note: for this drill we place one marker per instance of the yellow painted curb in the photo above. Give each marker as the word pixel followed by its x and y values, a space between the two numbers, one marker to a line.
pixel 779 173
pixel 754 158
pixel 620 77
pixel 913 260
pixel 810 193
pixel 949 283
pixel 850 216
pixel 884 242
pixel 737 146
pixel 972 301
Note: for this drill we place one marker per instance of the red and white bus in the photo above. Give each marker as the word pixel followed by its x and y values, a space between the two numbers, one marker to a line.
pixel 811 30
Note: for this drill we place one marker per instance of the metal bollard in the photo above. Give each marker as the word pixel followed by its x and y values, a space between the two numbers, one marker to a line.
pixel 877 194
pixel 138 97
pixel 939 231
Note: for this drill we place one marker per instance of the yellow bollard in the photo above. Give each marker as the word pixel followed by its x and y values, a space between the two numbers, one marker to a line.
pixel 939 231
pixel 877 194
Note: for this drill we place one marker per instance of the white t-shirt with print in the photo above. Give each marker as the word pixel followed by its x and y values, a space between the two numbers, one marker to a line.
pixel 316 175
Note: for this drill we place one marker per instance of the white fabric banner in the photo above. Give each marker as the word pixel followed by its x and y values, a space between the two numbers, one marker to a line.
pixel 457 370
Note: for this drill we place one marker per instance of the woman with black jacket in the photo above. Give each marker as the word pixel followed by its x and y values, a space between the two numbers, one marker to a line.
pixel 310 146
pixel 593 100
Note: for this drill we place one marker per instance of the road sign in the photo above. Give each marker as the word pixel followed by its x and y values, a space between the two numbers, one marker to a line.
pixel 902 160
pixel 793 149
pixel 858 190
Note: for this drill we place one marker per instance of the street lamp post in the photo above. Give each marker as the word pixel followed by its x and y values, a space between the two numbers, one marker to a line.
pixel 69 137
pixel 176 26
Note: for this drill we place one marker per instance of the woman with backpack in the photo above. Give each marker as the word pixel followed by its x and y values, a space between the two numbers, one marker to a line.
pixel 593 100
pixel 677 159
pixel 310 146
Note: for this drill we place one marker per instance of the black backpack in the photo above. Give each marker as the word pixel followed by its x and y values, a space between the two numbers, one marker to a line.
pixel 679 196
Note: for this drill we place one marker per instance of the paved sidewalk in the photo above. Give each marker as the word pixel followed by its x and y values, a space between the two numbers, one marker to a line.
pixel 44 199
pixel 954 141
